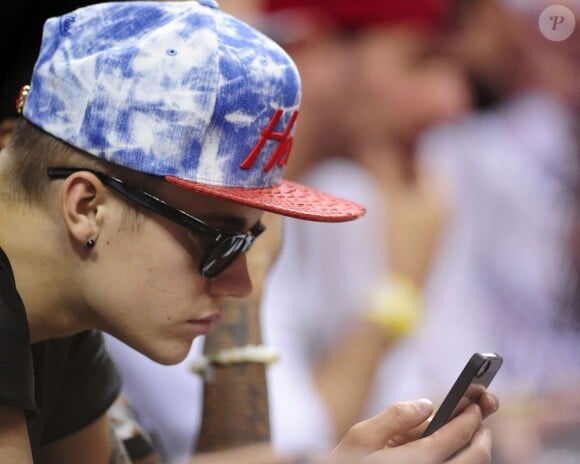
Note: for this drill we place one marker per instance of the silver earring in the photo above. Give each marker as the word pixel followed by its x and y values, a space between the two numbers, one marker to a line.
pixel 90 243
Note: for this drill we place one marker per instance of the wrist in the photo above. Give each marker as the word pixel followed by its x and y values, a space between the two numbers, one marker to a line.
pixel 393 305
pixel 257 354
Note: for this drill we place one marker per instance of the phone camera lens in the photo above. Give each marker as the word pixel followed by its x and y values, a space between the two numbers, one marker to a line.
pixel 484 367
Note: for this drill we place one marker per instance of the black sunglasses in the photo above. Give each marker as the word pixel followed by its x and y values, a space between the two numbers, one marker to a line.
pixel 224 248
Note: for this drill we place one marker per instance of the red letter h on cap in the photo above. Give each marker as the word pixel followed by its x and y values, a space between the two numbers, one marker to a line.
pixel 282 151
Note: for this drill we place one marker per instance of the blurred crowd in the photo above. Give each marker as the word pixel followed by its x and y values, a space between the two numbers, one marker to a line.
pixel 462 140
pixel 456 123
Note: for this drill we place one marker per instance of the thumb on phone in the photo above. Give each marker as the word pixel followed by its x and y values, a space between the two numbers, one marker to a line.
pixel 398 419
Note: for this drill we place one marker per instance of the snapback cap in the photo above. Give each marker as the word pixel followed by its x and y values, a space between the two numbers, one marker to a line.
pixel 179 90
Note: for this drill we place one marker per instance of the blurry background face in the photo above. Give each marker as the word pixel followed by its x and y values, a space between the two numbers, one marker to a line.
pixel 246 10
pixel 487 41
pixel 403 83
pixel 504 52
pixel 323 63
pixel 382 74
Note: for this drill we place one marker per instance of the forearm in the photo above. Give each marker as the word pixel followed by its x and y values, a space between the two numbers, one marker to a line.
pixel 252 454
pixel 346 375
pixel 235 402
pixel 14 444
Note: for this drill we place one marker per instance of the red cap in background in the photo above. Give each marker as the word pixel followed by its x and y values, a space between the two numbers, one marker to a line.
pixel 357 14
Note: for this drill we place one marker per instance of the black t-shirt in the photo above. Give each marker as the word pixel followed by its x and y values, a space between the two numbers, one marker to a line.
pixel 62 384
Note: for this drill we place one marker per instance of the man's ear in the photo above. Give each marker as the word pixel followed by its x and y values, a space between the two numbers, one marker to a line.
pixel 82 196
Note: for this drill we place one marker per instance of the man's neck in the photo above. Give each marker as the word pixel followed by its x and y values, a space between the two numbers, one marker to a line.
pixel 28 238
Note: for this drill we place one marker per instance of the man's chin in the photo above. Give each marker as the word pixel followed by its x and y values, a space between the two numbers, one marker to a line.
pixel 168 355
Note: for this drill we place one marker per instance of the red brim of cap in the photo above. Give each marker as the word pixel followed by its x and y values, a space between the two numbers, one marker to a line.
pixel 288 199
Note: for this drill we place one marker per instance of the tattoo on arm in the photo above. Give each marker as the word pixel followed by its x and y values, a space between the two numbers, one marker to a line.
pixel 238 327
pixel 235 404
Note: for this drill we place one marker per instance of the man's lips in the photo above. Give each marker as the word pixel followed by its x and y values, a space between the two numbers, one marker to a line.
pixel 204 325
pixel 214 317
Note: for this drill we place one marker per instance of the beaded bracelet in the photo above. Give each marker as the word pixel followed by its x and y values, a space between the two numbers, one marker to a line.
pixel 241 354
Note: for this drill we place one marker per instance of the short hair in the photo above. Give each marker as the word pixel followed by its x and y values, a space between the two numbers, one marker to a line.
pixel 31 151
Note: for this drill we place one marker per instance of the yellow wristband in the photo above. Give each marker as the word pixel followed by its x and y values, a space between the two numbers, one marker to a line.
pixel 394 305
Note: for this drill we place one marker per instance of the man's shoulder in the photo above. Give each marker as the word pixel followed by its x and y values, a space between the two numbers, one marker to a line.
pixel 74 376
pixel 13 321
pixel 72 349
pixel 5 268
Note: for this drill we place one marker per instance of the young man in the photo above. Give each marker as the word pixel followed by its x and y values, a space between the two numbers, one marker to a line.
pixel 153 138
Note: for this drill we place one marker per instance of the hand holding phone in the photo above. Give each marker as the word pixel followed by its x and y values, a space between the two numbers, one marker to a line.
pixel 471 383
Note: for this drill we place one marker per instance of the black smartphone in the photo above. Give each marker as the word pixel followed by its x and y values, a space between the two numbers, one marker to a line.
pixel 473 380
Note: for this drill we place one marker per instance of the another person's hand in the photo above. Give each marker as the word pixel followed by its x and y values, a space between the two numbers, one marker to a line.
pixel 393 436
pixel 419 204
pixel 529 426
pixel 265 250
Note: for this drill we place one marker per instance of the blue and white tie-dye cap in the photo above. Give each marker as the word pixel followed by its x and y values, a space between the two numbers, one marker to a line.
pixel 179 90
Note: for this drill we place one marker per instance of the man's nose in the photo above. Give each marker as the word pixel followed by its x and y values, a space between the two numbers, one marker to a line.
pixel 234 281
